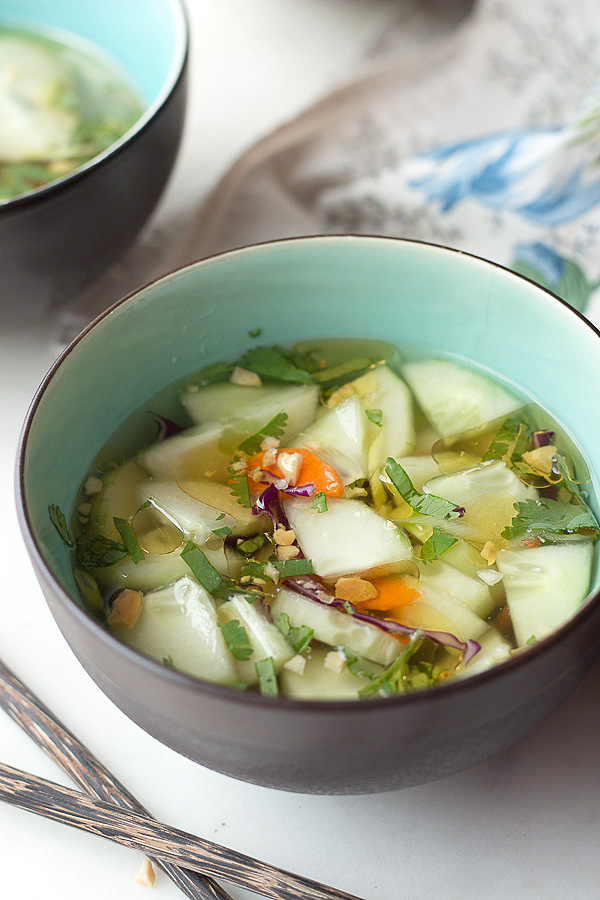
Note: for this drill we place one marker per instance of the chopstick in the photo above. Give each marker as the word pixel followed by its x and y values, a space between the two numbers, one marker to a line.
pixel 137 831
pixel 86 771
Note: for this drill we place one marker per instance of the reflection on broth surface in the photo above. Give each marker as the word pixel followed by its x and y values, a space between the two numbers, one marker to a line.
pixel 335 520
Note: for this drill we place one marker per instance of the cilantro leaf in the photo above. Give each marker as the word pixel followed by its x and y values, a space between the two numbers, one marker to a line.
pixel 435 545
pixel 59 521
pixel 222 532
pixel 274 428
pixel 215 372
pixel 255 332
pixel 99 551
pixel 167 662
pixel 236 638
pixel 426 504
pixel 512 438
pixel 394 679
pixel 267 678
pixel 204 571
pixel 552 516
pixel 375 416
pixel 239 487
pixel 290 568
pixel 251 545
pixel 320 502
pixel 273 363
pixel 299 636
pixel 129 538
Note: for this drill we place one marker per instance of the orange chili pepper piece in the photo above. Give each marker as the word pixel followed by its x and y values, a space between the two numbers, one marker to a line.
pixel 313 471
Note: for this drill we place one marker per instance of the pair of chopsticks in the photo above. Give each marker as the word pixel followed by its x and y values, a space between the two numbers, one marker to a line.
pixel 112 812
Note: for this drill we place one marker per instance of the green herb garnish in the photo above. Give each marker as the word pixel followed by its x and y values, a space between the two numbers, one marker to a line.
pixel 267 678
pixel 552 517
pixel 204 571
pixel 394 678
pixel 272 362
pixel 236 638
pixel 238 485
pixel 287 568
pixel 343 370
pixel 375 416
pixel 251 545
pixel 213 373
pixel 426 504
pixel 274 428
pixel 57 517
pixel 435 545
pixel 511 440
pixel 256 332
pixel 99 551
pixel 223 532
pixel 167 662
pixel 299 636
pixel 320 502
pixel 129 538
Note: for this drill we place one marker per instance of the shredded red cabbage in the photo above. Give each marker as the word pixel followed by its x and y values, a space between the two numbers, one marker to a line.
pixel 460 510
pixel 269 502
pixel 317 592
pixel 541 438
pixel 166 428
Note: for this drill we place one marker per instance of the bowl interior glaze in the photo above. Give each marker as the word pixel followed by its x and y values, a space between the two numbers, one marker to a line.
pixel 400 291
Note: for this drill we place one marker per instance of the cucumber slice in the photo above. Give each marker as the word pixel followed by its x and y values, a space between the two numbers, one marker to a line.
pixel 441 612
pixel 179 624
pixel 342 435
pixel 228 402
pixel 456 399
pixel 492 476
pixel 265 637
pixel 419 469
pixel 396 436
pixel 336 628
pixel 155 570
pixel 544 585
pixel 472 592
pixel 210 446
pixel 494 649
pixel 320 683
pixel 349 537
pixel 118 497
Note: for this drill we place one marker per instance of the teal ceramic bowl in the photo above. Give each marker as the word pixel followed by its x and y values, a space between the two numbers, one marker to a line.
pixel 401 291
pixel 60 236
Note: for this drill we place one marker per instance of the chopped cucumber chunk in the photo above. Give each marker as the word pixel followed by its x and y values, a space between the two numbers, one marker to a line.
pixel 336 628
pixel 319 682
pixel 342 436
pixel 350 537
pixel 456 399
pixel 396 436
pixel 440 612
pixel 494 649
pixel 264 637
pixel 227 402
pixel 488 477
pixel 472 592
pixel 544 585
pixel 118 497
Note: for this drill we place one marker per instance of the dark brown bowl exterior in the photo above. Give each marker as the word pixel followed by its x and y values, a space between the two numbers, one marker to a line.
pixel 57 239
pixel 331 748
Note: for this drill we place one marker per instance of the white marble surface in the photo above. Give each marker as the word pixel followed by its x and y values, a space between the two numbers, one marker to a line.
pixel 523 825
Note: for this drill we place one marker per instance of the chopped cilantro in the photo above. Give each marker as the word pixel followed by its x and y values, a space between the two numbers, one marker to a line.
pixel 274 363
pixel 299 636
pixel 129 538
pixel 426 504
pixel 531 640
pixel 274 428
pixel 320 502
pixel 344 370
pixel 222 532
pixel 203 570
pixel 512 438
pixel 59 521
pixel 395 678
pixel 142 506
pixel 239 487
pixel 255 332
pixel 220 516
pixel 239 685
pixel 348 607
pixel 254 569
pixel 551 516
pixel 267 678
pixel 353 663
pixel 435 545
pixel 213 373
pixel 290 568
pixel 236 638
pixel 251 545
pixel 99 551
pixel 375 416
pixel 167 662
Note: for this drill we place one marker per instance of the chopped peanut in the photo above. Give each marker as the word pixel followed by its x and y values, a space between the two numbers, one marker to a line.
pixel 489 552
pixel 284 536
pixel 146 876
pixel 335 660
pixel 541 459
pixel 289 464
pixel 245 377
pixel 92 485
pixel 126 608
pixel 296 664
pixel 84 509
pixel 354 589
pixel 342 393
pixel 239 465
pixel 269 443
pixel 270 456
pixel 272 572
pixel 287 552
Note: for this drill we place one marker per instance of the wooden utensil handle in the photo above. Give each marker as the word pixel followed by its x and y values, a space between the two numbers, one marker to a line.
pixel 85 770
pixel 133 830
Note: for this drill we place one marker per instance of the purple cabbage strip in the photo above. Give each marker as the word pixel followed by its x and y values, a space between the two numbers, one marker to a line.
pixel 460 510
pixel 269 502
pixel 314 591
pixel 166 427
pixel 541 438
pixel 300 490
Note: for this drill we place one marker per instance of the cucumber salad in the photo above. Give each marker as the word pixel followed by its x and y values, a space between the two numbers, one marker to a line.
pixel 331 521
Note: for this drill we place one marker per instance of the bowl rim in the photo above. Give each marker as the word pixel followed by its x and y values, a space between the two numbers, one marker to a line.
pixel 223 692
pixel 176 72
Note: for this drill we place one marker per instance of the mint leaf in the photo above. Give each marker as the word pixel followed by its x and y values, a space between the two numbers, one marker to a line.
pixel 375 416
pixel 236 638
pixel 267 678
pixel 203 570
pixel 251 545
pixel 59 521
pixel 273 363
pixel 435 545
pixel 129 538
pixel 320 502
pixel 395 677
pixel 274 428
pixel 99 551
pixel 426 504
pixel 551 516
pixel 299 636
pixel 222 532
pixel 290 568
